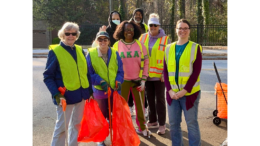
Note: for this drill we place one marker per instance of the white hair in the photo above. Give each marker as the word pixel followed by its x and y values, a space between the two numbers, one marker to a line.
pixel 68 26
pixel 154 15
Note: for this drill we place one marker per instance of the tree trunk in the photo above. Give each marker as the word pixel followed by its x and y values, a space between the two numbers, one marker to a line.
pixel 181 5
pixel 172 25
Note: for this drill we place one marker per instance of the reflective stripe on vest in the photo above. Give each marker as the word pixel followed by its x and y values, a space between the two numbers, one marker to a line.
pixel 115 47
pixel 108 73
pixel 74 74
pixel 157 54
pixel 185 66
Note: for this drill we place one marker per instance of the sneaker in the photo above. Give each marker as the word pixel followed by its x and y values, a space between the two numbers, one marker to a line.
pixel 161 130
pixel 100 143
pixel 225 143
pixel 132 110
pixel 143 132
pixel 152 125
pixel 146 112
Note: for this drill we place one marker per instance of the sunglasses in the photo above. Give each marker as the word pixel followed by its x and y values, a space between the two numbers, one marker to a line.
pixel 101 40
pixel 68 34
pixel 151 25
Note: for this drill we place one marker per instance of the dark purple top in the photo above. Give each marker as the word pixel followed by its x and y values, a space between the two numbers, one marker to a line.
pixel 192 80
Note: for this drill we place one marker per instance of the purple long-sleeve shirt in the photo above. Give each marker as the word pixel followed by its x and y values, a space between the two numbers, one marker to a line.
pixel 192 80
pixel 152 40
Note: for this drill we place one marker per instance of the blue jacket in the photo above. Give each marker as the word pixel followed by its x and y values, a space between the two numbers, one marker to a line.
pixel 95 78
pixel 53 79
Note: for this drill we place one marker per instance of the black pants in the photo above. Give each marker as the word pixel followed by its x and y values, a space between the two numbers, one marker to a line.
pixel 156 100
pixel 131 101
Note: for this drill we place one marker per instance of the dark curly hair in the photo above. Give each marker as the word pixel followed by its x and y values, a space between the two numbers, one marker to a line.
pixel 119 33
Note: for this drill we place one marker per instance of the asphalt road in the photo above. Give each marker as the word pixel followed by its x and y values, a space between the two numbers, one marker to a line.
pixel 44 114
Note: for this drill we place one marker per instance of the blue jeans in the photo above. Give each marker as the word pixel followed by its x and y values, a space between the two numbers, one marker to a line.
pixel 191 118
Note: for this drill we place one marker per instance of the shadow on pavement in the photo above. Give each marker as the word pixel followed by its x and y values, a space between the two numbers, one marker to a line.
pixel 154 141
pixel 185 137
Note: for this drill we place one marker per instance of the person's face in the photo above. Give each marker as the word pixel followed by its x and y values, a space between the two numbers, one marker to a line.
pixel 115 16
pixel 154 29
pixel 138 16
pixel 103 41
pixel 70 37
pixel 129 31
pixel 183 30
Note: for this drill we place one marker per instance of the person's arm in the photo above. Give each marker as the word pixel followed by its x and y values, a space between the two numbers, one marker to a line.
pixel 146 63
pixel 95 78
pixel 169 41
pixel 166 77
pixel 120 71
pixel 49 73
pixel 89 78
pixel 196 72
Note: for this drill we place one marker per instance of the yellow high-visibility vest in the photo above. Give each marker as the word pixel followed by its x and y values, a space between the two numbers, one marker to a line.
pixel 156 59
pixel 74 75
pixel 115 46
pixel 108 73
pixel 145 27
pixel 187 59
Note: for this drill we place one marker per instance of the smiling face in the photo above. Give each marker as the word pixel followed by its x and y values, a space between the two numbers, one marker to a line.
pixel 138 16
pixel 183 30
pixel 154 30
pixel 129 32
pixel 103 42
pixel 70 40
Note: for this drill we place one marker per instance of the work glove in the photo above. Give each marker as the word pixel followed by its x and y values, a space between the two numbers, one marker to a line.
pixel 141 87
pixel 118 88
pixel 58 98
pixel 104 85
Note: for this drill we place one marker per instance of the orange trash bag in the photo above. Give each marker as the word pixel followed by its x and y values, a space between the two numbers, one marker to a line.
pixel 94 126
pixel 123 130
pixel 222 103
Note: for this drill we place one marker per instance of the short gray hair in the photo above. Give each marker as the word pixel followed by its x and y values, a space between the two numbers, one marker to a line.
pixel 68 26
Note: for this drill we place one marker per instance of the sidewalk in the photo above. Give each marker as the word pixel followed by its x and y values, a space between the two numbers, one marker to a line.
pixel 209 53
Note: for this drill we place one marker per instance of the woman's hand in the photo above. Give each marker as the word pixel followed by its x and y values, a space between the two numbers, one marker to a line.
pixel 173 95
pixel 103 28
pixel 181 93
pixel 141 87
pixel 162 78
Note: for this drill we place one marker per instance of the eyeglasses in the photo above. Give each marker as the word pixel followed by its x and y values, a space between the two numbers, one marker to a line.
pixel 101 40
pixel 68 34
pixel 151 25
pixel 185 29
pixel 129 29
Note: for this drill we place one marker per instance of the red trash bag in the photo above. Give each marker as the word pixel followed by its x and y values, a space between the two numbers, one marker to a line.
pixel 222 103
pixel 123 130
pixel 94 127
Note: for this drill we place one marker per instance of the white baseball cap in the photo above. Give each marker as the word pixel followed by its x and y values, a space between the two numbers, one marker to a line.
pixel 153 21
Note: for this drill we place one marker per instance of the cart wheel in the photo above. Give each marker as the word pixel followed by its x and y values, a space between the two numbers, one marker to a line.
pixel 215 113
pixel 216 120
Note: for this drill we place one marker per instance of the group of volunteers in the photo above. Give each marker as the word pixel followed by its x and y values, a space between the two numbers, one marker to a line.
pixel 137 60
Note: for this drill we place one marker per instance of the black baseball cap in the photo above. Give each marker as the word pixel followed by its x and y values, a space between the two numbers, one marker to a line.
pixel 102 33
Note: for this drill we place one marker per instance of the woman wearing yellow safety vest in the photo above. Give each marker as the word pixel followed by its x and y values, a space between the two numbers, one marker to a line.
pixel 135 64
pixel 106 68
pixel 155 40
pixel 182 66
pixel 67 67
